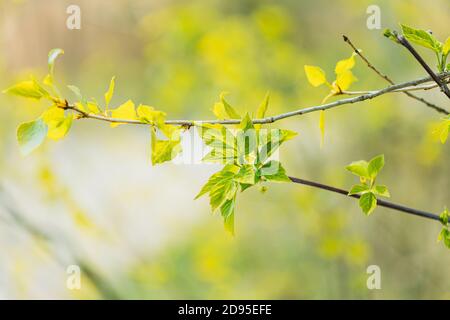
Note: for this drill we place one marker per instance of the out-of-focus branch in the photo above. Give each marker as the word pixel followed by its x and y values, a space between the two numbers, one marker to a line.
pixel 103 286
pixel 390 81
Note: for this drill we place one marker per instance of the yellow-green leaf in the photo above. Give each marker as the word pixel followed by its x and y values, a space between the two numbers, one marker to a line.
pixel 30 135
pixel 316 76
pixel 446 47
pixel 110 92
pixel 163 150
pixel 126 111
pixel 261 111
pixel 345 65
pixel 344 80
pixel 28 89
pixel 58 124
pixel 223 110
pixel 322 127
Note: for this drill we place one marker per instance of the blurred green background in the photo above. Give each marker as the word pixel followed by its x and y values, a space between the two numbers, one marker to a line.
pixel 94 200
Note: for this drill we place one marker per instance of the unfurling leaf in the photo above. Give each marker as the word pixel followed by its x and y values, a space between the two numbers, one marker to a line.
pixel 446 47
pixel 316 76
pixel 223 110
pixel 30 135
pixel 368 202
pixel 110 92
pixel 28 89
pixel 261 111
pixel 126 111
pixel 52 55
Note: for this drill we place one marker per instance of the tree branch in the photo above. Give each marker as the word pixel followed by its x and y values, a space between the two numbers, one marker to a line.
pixel 390 81
pixel 380 203
pixel 402 40
pixel 298 112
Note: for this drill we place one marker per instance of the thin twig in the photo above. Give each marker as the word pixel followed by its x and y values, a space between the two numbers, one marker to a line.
pixel 382 203
pixel 390 81
pixel 402 40
pixel 298 112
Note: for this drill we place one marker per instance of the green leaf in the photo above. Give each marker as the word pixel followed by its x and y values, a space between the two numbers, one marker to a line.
pixel 28 89
pixel 368 202
pixel 381 191
pixel 445 236
pixel 358 188
pixel 422 38
pixel 390 35
pixel 163 150
pixel 110 92
pixel 227 212
pixel 261 111
pixel 444 217
pixel 274 171
pixel 227 173
pixel 446 47
pixel 375 166
pixel 30 135
pixel 221 192
pixel 246 175
pixel 359 168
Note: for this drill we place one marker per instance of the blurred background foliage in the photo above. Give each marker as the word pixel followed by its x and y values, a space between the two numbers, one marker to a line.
pixel 95 201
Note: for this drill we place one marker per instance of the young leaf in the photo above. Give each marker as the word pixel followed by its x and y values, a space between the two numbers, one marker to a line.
pixel 274 171
pixel 358 188
pixel 422 38
pixel 28 89
pixel 375 165
pixel 52 55
pixel 227 212
pixel 261 112
pixel 223 110
pixel 316 76
pixel 227 173
pixel 125 111
pixel 444 217
pixel 344 80
pixel 381 191
pixel 30 135
pixel 446 47
pixel 163 150
pixel 246 175
pixel 58 124
pixel 368 202
pixel 77 93
pixel 359 168
pixel 345 65
pixel 444 236
pixel 110 92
